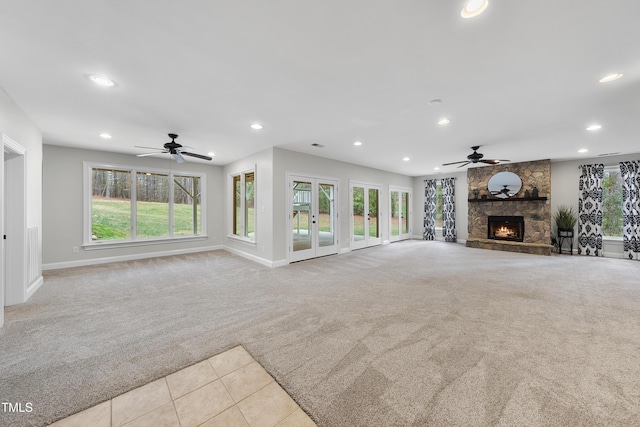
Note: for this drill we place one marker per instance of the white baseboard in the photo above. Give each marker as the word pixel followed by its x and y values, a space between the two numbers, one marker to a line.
pixel 345 250
pixel 33 287
pixel 255 258
pixel 106 260
pixel 385 242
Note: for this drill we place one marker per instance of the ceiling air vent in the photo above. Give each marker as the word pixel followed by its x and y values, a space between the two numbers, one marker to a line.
pixel 608 154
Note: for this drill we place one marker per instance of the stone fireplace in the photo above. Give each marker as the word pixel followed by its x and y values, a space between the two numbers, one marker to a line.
pixel 509 228
pixel 535 238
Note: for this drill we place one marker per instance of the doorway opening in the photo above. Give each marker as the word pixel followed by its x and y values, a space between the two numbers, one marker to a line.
pixel 312 217
pixel 365 214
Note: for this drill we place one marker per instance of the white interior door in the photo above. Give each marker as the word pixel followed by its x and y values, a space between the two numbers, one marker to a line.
pixel 312 217
pixel 400 213
pixel 365 214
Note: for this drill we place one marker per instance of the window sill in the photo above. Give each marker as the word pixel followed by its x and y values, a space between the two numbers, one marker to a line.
pixel 245 240
pixel 610 239
pixel 125 244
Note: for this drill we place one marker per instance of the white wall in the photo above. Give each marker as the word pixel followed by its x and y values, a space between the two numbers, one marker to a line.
pixel 462 211
pixel 564 190
pixel 17 126
pixel 262 249
pixel 285 161
pixel 63 207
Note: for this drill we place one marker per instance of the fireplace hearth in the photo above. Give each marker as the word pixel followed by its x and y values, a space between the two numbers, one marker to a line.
pixel 509 228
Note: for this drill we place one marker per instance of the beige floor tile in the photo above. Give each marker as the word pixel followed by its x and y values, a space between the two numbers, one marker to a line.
pixel 297 419
pixel 267 407
pixel 164 416
pixel 202 404
pixel 96 416
pixel 246 380
pixel 232 417
pixel 230 360
pixel 135 403
pixel 191 378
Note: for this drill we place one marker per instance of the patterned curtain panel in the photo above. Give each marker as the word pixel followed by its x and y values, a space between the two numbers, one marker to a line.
pixel 630 172
pixel 429 209
pixel 448 209
pixel 590 210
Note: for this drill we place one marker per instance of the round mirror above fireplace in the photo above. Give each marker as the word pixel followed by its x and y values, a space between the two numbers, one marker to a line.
pixel 504 185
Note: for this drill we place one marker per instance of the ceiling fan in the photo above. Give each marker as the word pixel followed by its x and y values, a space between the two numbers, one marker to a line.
pixel 476 157
pixel 176 150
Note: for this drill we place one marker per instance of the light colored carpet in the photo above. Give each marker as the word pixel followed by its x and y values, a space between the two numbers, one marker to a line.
pixel 412 333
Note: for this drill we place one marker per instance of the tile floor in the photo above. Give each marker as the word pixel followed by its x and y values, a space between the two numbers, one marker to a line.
pixel 230 389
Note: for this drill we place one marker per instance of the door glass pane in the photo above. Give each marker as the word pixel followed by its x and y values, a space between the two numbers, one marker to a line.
pixel 374 230
pixel 358 214
pixel 405 213
pixel 110 205
pixel 326 226
pixel 152 205
pixel 301 216
pixel 395 213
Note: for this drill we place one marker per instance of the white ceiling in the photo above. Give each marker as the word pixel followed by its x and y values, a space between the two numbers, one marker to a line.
pixel 521 80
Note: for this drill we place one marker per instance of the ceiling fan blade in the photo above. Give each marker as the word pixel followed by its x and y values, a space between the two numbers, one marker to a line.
pixel 186 148
pixel 455 163
pixel 465 164
pixel 147 148
pixel 199 156
pixel 494 161
pixel 151 154
pixel 178 157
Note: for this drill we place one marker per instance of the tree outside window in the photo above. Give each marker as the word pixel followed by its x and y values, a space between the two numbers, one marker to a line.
pixel 612 203
pixel 119 212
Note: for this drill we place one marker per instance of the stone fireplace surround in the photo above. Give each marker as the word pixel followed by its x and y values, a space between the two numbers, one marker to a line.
pixel 536 213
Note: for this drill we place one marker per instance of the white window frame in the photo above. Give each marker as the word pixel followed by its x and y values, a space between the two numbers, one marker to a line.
pixel 90 244
pixel 243 198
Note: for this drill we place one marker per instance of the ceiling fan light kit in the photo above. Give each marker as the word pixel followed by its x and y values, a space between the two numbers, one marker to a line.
pixel 176 150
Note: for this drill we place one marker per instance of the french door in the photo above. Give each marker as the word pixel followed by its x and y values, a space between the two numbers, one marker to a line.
pixel 312 217
pixel 399 213
pixel 365 214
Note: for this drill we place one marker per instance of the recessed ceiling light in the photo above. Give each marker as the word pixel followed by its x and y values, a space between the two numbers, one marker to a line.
pixel 582 150
pixel 105 136
pixel 610 78
pixel 210 154
pixel 474 8
pixel 436 168
pixel 256 126
pixel 594 127
pixel 357 143
pixel 444 121
pixel 101 80
pixel 406 159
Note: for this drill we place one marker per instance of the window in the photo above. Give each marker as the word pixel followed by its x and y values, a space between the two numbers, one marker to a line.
pixel 612 202
pixel 439 204
pixel 243 224
pixel 161 205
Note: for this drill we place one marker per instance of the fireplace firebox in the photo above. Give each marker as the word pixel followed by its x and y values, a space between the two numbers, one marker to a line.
pixel 506 228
